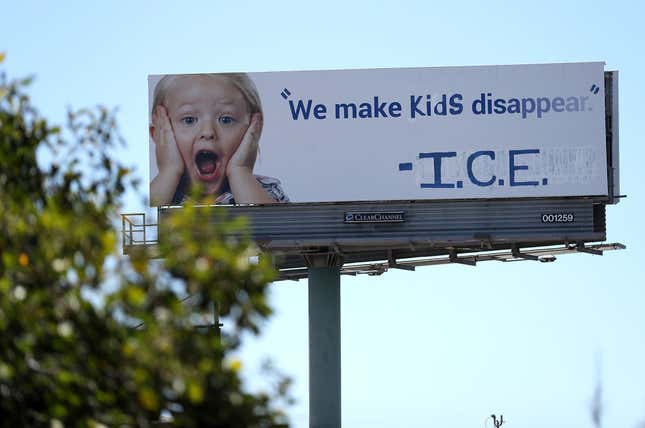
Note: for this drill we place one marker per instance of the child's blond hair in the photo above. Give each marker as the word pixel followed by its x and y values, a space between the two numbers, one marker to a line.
pixel 241 81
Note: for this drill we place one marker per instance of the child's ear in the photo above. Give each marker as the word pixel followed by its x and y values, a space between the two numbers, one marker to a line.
pixel 151 129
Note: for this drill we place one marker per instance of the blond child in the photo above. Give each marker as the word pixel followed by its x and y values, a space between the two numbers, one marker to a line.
pixel 206 129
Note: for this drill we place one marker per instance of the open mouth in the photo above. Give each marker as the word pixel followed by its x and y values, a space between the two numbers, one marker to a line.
pixel 206 162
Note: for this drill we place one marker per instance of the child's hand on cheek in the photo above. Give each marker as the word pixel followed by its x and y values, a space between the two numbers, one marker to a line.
pixel 244 186
pixel 247 151
pixel 169 160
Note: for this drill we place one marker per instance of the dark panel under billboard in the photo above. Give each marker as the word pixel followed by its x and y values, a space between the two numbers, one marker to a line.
pixel 422 228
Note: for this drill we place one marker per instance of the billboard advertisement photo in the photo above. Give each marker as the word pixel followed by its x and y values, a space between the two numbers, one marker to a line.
pixel 480 132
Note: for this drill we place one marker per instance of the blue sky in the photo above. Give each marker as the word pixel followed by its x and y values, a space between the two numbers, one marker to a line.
pixel 443 346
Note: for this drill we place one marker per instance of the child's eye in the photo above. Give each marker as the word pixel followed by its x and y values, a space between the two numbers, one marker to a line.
pixel 189 120
pixel 226 120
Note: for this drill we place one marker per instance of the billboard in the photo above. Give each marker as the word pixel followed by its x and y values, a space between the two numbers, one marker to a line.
pixel 481 132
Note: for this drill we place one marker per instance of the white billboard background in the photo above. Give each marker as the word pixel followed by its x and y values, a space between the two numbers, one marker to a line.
pixel 378 158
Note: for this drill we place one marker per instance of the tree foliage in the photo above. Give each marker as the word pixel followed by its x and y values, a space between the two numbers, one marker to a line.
pixel 88 338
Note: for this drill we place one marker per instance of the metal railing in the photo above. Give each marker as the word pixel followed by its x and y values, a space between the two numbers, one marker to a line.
pixel 135 231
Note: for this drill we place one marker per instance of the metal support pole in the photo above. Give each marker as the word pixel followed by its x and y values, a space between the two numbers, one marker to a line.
pixel 324 342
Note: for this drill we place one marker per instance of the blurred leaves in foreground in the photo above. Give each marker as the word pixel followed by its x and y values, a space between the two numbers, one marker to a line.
pixel 88 338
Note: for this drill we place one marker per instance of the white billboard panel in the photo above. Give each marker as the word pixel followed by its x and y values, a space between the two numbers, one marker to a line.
pixel 380 134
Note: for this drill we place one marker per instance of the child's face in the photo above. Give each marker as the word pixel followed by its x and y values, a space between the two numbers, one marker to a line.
pixel 209 116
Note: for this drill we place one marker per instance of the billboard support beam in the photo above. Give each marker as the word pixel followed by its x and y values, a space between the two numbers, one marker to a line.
pixel 452 254
pixel 324 340
pixel 392 263
pixel 580 247
pixel 515 251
